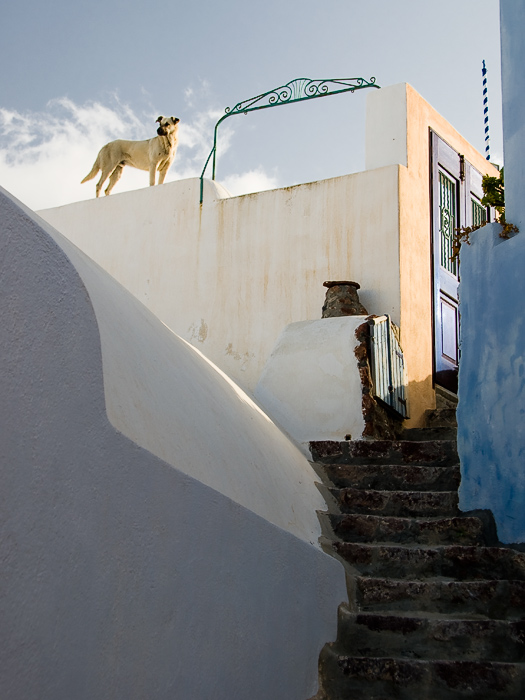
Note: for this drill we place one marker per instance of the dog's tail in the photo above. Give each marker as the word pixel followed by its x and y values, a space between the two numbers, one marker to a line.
pixel 94 171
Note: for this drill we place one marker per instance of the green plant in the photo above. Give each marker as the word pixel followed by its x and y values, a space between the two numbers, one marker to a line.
pixel 493 196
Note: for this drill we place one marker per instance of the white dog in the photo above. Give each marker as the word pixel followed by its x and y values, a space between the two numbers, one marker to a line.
pixel 154 154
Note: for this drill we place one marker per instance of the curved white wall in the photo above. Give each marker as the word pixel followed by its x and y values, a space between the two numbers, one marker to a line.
pixel 125 576
pixel 163 394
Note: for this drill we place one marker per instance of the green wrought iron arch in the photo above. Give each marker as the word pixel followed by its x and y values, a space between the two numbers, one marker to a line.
pixel 296 90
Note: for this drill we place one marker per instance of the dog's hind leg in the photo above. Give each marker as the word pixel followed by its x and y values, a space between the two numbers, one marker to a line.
pixel 106 172
pixel 114 178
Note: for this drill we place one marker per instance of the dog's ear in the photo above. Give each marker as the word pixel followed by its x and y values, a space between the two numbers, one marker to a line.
pixel 175 120
pixel 160 119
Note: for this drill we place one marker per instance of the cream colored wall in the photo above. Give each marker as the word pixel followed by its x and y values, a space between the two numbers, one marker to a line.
pixel 389 128
pixel 230 276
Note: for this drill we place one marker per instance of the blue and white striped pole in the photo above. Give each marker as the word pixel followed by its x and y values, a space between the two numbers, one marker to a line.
pixel 486 111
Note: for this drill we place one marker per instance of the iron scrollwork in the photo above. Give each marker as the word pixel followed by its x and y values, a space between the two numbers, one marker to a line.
pixel 296 90
pixel 300 89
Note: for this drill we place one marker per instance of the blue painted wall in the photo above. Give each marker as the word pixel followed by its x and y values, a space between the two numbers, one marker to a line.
pixel 512 20
pixel 491 409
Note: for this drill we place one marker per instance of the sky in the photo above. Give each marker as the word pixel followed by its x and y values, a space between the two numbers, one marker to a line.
pixel 77 75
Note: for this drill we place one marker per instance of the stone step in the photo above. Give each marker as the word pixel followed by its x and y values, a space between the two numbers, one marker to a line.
pixel 425 452
pixel 434 614
pixel 450 561
pixel 428 531
pixel 495 599
pixel 445 398
pixel 411 504
pixel 420 636
pixel 439 432
pixel 441 418
pixel 393 477
pixel 344 677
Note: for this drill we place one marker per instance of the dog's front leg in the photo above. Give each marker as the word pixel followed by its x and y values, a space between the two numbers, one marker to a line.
pixel 152 171
pixel 163 170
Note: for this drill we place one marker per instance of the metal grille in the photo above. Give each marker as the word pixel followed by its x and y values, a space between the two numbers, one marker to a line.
pixel 479 213
pixel 447 221
pixel 387 365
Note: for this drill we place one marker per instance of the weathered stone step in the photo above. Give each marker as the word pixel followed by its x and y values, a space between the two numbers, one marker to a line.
pixel 401 503
pixel 344 677
pixel 433 531
pixel 495 599
pixel 417 636
pixel 393 477
pixel 441 418
pixel 438 432
pixel 450 561
pixel 425 452
pixel 445 398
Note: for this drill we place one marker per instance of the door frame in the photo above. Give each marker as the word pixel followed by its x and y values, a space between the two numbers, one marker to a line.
pixel 445 282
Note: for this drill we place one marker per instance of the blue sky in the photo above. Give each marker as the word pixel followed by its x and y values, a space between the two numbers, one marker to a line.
pixel 79 74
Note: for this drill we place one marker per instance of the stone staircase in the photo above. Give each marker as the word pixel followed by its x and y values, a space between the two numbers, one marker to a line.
pixel 436 607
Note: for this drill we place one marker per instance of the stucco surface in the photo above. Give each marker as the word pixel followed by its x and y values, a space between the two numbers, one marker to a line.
pixel 228 277
pixel 512 22
pixel 415 237
pixel 386 127
pixel 311 384
pixel 491 410
pixel 123 576
pixel 398 126
pixel 163 394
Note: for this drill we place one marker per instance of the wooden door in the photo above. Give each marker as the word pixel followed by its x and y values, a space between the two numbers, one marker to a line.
pixel 456 202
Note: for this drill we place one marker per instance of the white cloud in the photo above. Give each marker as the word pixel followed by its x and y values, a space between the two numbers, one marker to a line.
pixel 44 155
pixel 251 181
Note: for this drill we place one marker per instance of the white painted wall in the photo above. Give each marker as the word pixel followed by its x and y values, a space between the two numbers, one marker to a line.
pixel 311 384
pixel 163 394
pixel 386 127
pixel 124 575
pixel 230 276
pixel 491 410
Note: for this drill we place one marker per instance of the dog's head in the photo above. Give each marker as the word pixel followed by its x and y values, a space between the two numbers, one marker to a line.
pixel 167 125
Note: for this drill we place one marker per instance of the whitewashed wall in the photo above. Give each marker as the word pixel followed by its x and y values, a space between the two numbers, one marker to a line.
pixel 126 575
pixel 491 410
pixel 230 276
pixel 311 384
